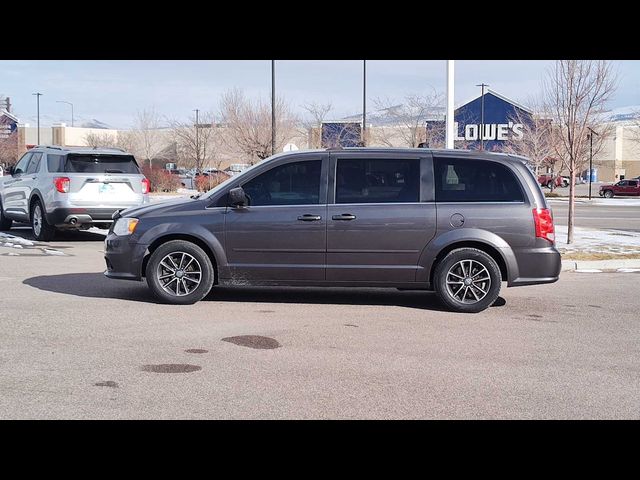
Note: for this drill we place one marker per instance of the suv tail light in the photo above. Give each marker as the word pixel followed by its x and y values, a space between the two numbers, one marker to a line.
pixel 62 184
pixel 146 185
pixel 544 224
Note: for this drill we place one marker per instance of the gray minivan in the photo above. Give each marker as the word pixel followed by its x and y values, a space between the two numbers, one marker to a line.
pixel 457 222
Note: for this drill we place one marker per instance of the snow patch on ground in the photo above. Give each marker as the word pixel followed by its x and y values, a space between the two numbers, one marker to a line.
pixel 598 241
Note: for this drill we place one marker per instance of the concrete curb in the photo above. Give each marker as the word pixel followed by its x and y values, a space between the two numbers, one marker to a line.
pixel 572 265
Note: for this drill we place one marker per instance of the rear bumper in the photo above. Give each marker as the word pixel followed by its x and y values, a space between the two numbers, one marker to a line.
pixel 124 259
pixel 80 216
pixel 537 265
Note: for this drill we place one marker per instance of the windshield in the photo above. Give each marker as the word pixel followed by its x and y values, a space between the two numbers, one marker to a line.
pixel 97 163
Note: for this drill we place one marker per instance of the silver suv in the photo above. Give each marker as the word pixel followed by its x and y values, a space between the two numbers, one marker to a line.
pixel 70 188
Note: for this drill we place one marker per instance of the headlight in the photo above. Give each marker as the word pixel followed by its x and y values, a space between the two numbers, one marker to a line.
pixel 125 226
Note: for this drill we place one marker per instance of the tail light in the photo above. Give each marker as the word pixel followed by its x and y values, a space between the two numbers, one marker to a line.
pixel 544 224
pixel 62 184
pixel 146 185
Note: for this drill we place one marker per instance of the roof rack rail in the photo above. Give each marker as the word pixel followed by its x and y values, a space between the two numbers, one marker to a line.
pixel 56 147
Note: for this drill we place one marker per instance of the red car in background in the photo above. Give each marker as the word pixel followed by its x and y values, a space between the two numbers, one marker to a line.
pixel 547 180
pixel 628 188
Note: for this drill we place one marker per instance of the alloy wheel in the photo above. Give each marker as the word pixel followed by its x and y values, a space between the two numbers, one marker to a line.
pixel 468 281
pixel 179 273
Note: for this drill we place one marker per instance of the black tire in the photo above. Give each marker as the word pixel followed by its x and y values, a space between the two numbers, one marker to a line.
pixel 549 184
pixel 42 230
pixel 468 301
pixel 187 276
pixel 608 194
pixel 5 223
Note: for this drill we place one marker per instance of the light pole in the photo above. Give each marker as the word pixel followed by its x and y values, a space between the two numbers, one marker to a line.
pixel 68 103
pixel 450 111
pixel 38 95
pixel 197 144
pixel 364 102
pixel 591 134
pixel 481 129
pixel 273 107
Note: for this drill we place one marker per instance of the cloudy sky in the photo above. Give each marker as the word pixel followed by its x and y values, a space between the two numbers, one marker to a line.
pixel 112 91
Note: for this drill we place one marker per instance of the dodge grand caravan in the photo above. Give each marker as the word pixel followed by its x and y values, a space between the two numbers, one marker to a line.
pixel 456 222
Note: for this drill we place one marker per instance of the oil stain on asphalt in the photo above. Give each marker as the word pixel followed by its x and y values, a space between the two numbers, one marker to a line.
pixel 108 383
pixel 196 350
pixel 253 341
pixel 171 368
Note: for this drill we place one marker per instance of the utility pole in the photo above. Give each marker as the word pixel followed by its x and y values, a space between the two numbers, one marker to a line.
pixel 481 129
pixel 591 134
pixel 364 103
pixel 38 95
pixel 197 143
pixel 273 107
pixel 450 102
pixel 68 103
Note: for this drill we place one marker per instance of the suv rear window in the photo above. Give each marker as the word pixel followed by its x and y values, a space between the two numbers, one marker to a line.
pixel 97 163
pixel 472 180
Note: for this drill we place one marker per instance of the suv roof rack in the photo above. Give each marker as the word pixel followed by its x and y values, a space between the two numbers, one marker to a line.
pixel 56 147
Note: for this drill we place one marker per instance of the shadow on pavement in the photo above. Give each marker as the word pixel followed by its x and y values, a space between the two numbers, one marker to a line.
pixel 96 285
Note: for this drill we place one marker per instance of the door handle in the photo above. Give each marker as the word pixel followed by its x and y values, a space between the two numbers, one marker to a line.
pixel 344 216
pixel 309 218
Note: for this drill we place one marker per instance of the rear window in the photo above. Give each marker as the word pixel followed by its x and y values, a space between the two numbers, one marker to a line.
pixel 474 180
pixel 76 163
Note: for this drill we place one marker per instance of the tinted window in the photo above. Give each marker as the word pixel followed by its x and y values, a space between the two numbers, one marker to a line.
pixel 377 181
pixel 633 183
pixel 295 183
pixel 471 180
pixel 21 166
pixel 97 163
pixel 34 164
pixel 55 163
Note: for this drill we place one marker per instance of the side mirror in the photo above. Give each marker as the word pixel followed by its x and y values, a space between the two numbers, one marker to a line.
pixel 237 197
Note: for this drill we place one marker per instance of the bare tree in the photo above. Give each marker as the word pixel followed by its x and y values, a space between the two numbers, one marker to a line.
pixel 317 113
pixel 196 145
pixel 9 149
pixel 408 120
pixel 248 125
pixel 576 92
pixel 147 135
pixel 100 140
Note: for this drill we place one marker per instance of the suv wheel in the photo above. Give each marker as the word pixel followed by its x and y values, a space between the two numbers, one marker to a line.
pixel 608 193
pixel 549 184
pixel 42 231
pixel 467 280
pixel 5 223
pixel 179 272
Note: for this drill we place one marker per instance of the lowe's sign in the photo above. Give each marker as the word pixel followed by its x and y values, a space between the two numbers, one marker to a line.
pixel 502 121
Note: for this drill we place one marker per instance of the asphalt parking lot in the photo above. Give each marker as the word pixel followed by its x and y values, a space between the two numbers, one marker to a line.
pixel 78 345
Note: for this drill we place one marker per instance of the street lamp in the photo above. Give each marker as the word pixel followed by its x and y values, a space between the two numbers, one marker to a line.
pixel 68 103
pixel 482 115
pixel 38 95
pixel 197 143
pixel 273 107
pixel 364 102
pixel 591 134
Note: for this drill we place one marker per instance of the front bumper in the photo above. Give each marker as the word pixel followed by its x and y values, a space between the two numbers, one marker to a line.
pixel 124 259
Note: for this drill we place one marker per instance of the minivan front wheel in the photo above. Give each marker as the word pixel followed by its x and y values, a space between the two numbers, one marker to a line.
pixel 467 280
pixel 179 272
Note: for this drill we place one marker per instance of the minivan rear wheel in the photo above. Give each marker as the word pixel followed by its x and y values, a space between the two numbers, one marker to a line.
pixel 179 272
pixel 467 280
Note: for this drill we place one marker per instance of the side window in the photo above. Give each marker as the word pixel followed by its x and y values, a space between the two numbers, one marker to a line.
pixel 55 163
pixel 622 183
pixel 633 183
pixel 34 164
pixel 296 183
pixel 21 166
pixel 472 180
pixel 377 180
